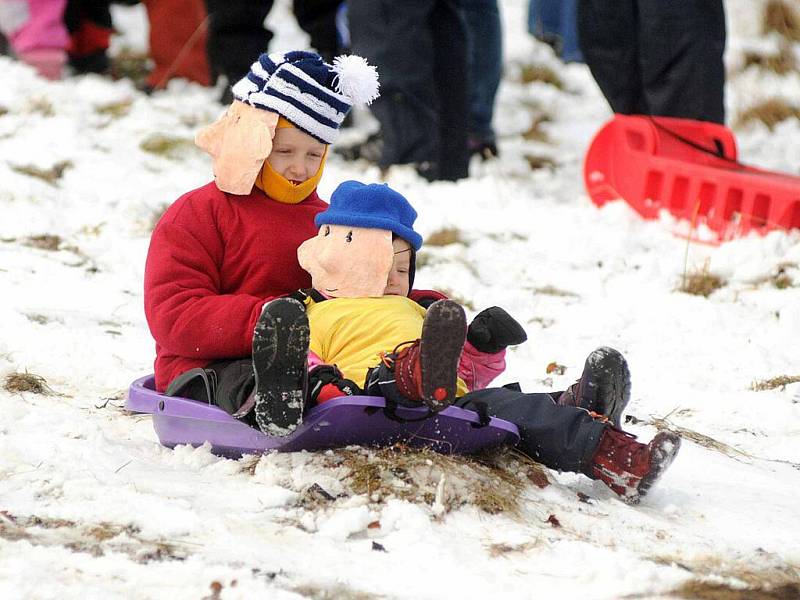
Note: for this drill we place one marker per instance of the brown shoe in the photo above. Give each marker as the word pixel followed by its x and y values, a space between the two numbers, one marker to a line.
pixel 631 468
pixel 427 370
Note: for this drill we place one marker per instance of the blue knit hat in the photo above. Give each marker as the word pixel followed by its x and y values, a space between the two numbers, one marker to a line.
pixel 311 94
pixel 375 206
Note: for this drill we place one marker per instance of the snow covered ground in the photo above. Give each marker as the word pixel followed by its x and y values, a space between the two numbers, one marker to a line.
pixel 91 506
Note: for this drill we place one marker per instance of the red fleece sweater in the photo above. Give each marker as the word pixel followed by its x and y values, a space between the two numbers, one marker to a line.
pixel 214 259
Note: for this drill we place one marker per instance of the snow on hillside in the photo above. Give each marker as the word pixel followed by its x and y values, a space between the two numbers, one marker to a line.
pixel 91 506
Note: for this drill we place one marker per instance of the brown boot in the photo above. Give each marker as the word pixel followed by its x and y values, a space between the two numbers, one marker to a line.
pixel 631 468
pixel 427 370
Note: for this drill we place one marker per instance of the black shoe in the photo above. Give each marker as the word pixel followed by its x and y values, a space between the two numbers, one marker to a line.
pixel 280 358
pixel 486 149
pixel 604 387
pixel 370 149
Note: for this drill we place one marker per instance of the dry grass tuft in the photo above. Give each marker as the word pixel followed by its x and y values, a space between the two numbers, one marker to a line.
pixel 166 146
pixel 770 113
pixel 115 109
pixel 27 382
pixel 445 237
pixel 335 592
pixel 701 282
pixel 549 290
pixel 781 63
pixel 45 241
pixel 51 175
pixel 781 17
pixel 772 383
pixel 707 590
pixel 41 105
pixel 130 64
pixel 535 132
pixel 496 550
pixel 689 434
pixel 3 111
pixel 541 73
pixel 493 482
pixel 540 162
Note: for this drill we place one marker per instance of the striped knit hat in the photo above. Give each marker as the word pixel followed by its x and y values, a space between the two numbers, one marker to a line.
pixel 311 94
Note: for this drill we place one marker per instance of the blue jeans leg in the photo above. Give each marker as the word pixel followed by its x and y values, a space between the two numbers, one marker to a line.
pixel 485 57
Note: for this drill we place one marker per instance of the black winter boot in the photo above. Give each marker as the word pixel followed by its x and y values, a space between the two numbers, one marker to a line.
pixel 280 359
pixel 604 387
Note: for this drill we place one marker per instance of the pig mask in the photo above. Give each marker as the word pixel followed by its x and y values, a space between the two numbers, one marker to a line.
pixel 348 262
pixel 239 142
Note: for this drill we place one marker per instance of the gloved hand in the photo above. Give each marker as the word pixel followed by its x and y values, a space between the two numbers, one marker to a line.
pixel 325 382
pixel 493 330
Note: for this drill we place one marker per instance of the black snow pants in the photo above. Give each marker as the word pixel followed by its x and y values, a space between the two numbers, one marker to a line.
pixel 657 57
pixel 560 437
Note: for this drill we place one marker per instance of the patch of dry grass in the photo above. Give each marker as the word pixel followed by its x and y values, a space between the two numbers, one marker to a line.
pixel 131 64
pixel 713 590
pixel 781 63
pixel 445 237
pixel 335 592
pixel 50 175
pixel 166 146
pixel 542 74
pixel 45 241
pixel 27 382
pixel 493 482
pixel 782 17
pixel 536 161
pixel 41 105
pixel 550 290
pixel 115 109
pixel 769 112
pixel 535 133
pixel 701 282
pixel 3 111
pixel 781 381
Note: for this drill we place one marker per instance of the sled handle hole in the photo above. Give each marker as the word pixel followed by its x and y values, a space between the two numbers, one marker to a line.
pixel 161 406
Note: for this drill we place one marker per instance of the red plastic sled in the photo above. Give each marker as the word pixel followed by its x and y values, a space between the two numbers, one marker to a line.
pixel 690 169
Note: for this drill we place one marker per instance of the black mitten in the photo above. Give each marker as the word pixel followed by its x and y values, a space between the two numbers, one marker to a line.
pixel 326 382
pixel 494 329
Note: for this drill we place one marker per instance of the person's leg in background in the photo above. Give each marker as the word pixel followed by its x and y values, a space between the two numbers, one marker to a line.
pixel 544 22
pixel 485 38
pixel 37 34
pixel 177 46
pixel 90 27
pixel 397 38
pixel 681 56
pixel 570 48
pixel 318 19
pixel 452 85
pixel 609 39
pixel 236 36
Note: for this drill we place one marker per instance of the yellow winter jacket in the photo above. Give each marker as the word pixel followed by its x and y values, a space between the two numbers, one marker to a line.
pixel 352 332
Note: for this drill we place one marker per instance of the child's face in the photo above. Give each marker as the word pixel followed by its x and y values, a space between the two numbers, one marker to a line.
pixel 296 156
pixel 397 284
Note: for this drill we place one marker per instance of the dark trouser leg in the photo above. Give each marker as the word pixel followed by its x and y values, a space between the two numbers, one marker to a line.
pixel 229 381
pixel 318 19
pixel 560 437
pixel 397 38
pixel 451 80
pixel 608 36
pixel 681 48
pixel 236 35
pixel 484 32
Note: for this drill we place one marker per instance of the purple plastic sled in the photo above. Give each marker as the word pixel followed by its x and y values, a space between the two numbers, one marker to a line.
pixel 349 420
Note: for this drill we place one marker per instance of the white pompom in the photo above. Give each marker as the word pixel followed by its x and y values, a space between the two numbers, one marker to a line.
pixel 356 79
